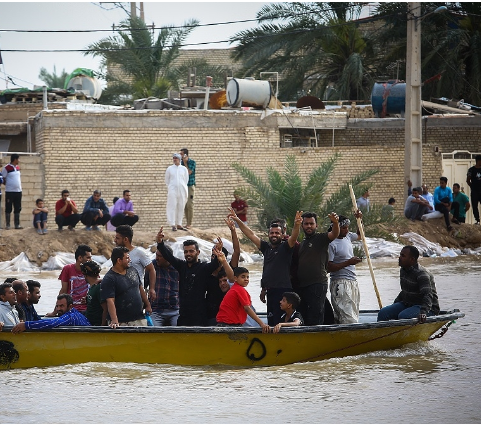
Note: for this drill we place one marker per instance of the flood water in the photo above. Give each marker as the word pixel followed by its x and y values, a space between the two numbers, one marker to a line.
pixel 434 382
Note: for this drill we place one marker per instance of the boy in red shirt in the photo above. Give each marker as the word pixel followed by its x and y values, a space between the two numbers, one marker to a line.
pixel 237 304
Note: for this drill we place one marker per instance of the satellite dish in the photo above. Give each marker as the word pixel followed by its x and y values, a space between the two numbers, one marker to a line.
pixel 89 86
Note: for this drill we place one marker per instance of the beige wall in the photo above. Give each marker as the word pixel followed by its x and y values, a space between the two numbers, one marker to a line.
pixel 118 150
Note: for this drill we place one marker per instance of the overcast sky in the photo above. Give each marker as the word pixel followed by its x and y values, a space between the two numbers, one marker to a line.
pixel 24 67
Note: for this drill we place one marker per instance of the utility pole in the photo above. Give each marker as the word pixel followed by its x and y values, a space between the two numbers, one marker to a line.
pixel 413 156
pixel 133 9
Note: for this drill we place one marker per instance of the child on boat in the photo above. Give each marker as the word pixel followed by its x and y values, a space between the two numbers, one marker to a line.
pixel 290 318
pixel 237 303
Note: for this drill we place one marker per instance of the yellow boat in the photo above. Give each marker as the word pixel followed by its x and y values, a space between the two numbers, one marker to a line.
pixel 197 346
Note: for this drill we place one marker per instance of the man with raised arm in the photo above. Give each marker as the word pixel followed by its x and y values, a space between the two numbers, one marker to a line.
pixel 277 261
pixel 193 279
pixel 312 268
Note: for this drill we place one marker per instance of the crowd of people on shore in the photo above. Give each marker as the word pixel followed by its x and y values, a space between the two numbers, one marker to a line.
pixel 450 203
pixel 169 291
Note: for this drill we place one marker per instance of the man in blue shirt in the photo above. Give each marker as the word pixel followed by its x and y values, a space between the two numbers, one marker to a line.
pixel 96 212
pixel 67 316
pixel 443 202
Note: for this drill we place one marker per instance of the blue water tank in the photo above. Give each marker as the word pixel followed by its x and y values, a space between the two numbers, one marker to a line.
pixel 389 98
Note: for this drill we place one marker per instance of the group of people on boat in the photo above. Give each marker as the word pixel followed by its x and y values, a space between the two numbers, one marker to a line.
pixel 137 291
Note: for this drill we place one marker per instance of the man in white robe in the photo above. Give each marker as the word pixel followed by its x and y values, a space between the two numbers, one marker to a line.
pixel 176 178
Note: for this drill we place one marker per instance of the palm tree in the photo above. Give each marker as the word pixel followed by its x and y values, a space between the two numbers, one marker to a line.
pixel 143 58
pixel 451 47
pixel 52 80
pixel 313 46
pixel 283 193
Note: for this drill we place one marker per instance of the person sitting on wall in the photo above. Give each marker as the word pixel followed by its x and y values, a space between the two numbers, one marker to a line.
pixel 387 211
pixel 123 211
pixel 40 213
pixel 416 206
pixel 67 315
pixel 463 201
pixel 443 202
pixel 66 212
pixel 96 212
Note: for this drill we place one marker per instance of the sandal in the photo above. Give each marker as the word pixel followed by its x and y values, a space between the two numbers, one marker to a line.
pixel 174 229
pixel 180 228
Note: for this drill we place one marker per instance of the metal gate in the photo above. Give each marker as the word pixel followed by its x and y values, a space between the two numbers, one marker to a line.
pixel 455 169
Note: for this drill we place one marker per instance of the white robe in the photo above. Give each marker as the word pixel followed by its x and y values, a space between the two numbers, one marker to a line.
pixel 176 178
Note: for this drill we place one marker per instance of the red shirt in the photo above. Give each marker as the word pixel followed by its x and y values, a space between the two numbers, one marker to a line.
pixel 239 205
pixel 59 205
pixel 77 286
pixel 231 309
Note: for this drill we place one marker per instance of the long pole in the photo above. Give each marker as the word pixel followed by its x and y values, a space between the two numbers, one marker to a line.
pixel 413 152
pixel 364 244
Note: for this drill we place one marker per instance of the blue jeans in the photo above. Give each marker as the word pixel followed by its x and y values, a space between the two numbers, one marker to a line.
pixel 41 218
pixel 165 317
pixel 399 311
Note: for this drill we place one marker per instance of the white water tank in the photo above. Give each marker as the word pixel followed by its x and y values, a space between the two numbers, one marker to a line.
pixel 90 86
pixel 246 92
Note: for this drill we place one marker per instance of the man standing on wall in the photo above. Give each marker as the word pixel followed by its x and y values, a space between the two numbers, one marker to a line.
pixel 13 191
pixel 474 181
pixel 189 206
pixel 176 179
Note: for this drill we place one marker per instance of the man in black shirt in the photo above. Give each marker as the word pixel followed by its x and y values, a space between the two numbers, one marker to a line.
pixel 277 261
pixel 312 268
pixel 193 279
pixel 124 293
pixel 474 181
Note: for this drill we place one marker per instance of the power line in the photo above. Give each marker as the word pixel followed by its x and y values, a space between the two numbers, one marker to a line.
pixel 303 30
pixel 151 28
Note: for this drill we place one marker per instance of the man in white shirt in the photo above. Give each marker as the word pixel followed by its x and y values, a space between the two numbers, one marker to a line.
pixel 8 313
pixel 13 191
pixel 176 179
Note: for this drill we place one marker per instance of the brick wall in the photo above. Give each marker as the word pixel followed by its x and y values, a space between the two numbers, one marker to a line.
pixel 118 150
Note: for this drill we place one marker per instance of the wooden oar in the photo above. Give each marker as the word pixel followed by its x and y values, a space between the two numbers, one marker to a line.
pixel 364 243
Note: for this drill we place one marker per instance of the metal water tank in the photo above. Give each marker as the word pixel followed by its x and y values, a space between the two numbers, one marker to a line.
pixel 89 86
pixel 248 93
pixel 389 98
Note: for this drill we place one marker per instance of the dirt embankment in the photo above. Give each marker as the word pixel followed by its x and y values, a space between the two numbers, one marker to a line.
pixel 39 248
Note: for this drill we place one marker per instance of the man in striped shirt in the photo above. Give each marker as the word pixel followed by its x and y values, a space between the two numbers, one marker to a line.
pixel 67 315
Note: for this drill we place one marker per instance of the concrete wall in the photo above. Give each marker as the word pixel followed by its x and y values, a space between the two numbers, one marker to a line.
pixel 117 150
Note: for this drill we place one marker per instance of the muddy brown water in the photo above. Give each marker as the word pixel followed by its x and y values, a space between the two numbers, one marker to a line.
pixel 434 382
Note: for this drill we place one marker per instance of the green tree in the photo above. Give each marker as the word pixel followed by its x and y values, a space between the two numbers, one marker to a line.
pixel 314 45
pixel 283 193
pixel 53 80
pixel 450 47
pixel 143 58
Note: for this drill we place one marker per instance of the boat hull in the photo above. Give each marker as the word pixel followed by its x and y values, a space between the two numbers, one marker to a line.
pixel 246 347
